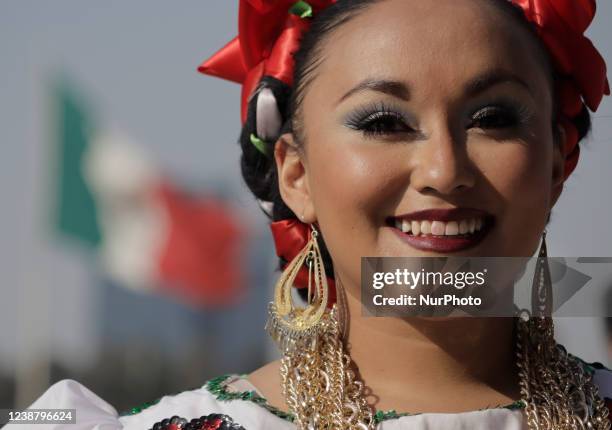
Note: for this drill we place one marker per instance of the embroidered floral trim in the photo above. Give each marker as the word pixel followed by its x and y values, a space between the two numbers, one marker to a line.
pixel 590 367
pixel 218 387
pixel 139 408
pixel 205 422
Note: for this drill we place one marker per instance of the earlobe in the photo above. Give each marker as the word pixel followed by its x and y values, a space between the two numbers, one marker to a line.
pixel 293 177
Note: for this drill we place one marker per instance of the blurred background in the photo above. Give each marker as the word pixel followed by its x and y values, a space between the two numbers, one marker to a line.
pixel 132 257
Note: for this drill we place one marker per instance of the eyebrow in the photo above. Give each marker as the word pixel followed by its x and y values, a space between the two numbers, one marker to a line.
pixel 401 90
pixel 393 88
pixel 491 78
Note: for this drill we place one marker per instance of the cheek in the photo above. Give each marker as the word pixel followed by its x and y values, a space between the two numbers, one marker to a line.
pixel 519 176
pixel 354 186
pixel 520 173
pixel 352 183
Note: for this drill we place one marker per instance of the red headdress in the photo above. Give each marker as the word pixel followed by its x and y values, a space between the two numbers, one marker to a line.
pixel 269 33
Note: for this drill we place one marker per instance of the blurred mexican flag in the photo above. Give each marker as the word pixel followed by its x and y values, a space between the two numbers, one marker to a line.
pixel 148 233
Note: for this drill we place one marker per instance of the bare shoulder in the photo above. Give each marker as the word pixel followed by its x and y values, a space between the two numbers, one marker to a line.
pixel 267 380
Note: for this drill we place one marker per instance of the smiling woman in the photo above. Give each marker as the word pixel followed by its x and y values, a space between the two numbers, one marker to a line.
pixel 402 128
pixel 415 128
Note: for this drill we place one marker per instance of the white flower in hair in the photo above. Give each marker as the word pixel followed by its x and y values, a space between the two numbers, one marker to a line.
pixel 268 117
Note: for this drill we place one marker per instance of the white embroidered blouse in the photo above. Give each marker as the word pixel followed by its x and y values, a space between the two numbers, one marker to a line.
pixel 238 402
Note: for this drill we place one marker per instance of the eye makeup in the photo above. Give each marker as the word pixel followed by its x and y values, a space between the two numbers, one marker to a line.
pixel 378 119
pixel 384 119
pixel 500 113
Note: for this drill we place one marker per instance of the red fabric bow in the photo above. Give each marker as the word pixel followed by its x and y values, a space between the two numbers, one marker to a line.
pixel 561 25
pixel 268 36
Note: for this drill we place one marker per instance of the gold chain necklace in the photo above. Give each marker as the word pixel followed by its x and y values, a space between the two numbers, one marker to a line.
pixel 557 391
pixel 322 390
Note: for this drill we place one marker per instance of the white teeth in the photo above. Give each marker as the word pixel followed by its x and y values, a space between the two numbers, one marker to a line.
pixel 452 228
pixel 439 228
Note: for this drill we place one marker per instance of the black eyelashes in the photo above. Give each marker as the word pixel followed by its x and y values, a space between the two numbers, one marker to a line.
pixel 493 117
pixel 382 120
pixel 500 115
pixel 378 119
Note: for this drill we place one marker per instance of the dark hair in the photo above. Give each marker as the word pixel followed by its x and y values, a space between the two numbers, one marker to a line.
pixel 259 171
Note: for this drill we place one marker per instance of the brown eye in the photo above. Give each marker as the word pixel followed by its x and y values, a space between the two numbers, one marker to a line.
pixel 378 119
pixel 492 117
pixel 384 123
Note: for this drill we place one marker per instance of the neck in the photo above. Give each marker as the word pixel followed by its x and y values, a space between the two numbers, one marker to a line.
pixel 452 356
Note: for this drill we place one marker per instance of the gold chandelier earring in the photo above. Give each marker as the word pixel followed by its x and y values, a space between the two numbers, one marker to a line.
pixel 319 384
pixel 556 389
pixel 290 326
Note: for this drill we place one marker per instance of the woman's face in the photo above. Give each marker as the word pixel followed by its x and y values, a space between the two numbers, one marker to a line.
pixel 420 105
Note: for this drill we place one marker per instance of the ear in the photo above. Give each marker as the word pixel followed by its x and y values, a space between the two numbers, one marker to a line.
pixel 558 165
pixel 293 178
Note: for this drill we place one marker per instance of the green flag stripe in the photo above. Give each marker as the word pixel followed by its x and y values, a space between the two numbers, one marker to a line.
pixel 76 215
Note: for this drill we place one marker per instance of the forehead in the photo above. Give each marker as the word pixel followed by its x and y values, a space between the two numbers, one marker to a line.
pixel 432 44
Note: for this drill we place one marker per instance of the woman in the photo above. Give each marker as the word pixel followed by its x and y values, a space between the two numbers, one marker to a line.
pixel 388 128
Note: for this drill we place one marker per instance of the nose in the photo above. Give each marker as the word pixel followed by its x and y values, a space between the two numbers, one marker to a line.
pixel 442 165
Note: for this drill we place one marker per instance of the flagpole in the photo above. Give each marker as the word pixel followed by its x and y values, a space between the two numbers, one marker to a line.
pixel 33 364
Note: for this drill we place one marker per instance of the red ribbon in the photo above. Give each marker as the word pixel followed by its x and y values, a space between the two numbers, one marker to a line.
pixel 561 25
pixel 268 36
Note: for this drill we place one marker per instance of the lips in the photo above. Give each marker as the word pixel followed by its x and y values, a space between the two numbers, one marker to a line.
pixel 442 230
